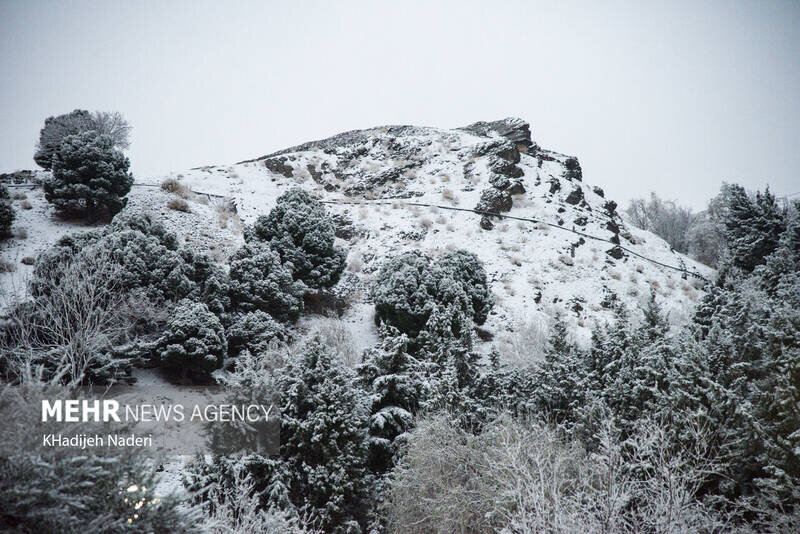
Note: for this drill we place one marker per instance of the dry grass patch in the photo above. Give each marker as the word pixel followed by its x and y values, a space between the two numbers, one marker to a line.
pixel 178 204
pixel 172 185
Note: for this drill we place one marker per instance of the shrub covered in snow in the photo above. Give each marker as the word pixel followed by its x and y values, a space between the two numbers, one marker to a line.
pixel 90 177
pixel 410 286
pixel 149 259
pixel 7 214
pixel 300 230
pixel 255 332
pixel 261 281
pixel 194 341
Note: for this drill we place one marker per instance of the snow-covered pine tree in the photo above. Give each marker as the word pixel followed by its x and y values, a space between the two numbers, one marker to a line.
pixel 324 439
pixel 255 332
pixel 396 384
pixel 411 286
pixel 211 284
pixel 752 226
pixel 54 131
pixel 194 342
pixel 749 340
pixel 560 377
pixel 7 214
pixel 260 281
pixel 300 230
pixel 465 269
pixel 90 177
pixel 404 292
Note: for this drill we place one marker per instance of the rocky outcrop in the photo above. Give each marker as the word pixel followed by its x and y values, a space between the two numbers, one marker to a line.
pixel 494 201
pixel 573 169
pixel 515 130
pixel 280 166
pixel 575 196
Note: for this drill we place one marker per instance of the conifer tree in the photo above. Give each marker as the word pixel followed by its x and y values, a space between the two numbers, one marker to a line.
pixel 300 230
pixel 7 214
pixel 90 177
pixel 396 385
pixel 194 341
pixel 324 440
pixel 260 281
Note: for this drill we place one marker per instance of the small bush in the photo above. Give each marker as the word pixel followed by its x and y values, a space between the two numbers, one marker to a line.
pixel 178 204
pixel 28 260
pixel 19 196
pixel 7 267
pixel 172 185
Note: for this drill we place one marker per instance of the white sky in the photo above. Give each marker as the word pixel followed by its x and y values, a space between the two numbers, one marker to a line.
pixel 667 96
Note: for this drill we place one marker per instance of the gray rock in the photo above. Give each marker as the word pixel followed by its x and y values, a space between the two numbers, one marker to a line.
pixel 494 201
pixel 503 167
pixel 515 130
pixel 573 171
pixel 516 188
pixel 279 165
pixel 575 196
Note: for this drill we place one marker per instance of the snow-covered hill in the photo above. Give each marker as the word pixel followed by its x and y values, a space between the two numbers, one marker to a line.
pixel 371 177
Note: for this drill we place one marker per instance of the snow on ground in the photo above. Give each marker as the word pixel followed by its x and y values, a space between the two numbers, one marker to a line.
pixel 531 266
pixel 535 270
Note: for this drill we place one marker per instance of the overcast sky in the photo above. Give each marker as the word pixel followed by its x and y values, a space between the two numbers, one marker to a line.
pixel 674 97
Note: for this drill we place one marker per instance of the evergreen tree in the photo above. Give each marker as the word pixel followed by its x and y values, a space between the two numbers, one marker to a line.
pixel 560 378
pixel 300 230
pixel 55 130
pixel 395 383
pixel 260 281
pixel 752 226
pixel 324 422
pixel 463 270
pixel 255 332
pixel 411 287
pixel 90 177
pixel 194 341
pixel 7 214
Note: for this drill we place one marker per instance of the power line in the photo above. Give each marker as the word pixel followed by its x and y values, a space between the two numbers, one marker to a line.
pixel 683 270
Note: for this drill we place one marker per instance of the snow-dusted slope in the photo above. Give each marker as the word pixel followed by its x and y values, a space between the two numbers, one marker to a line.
pixel 535 269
